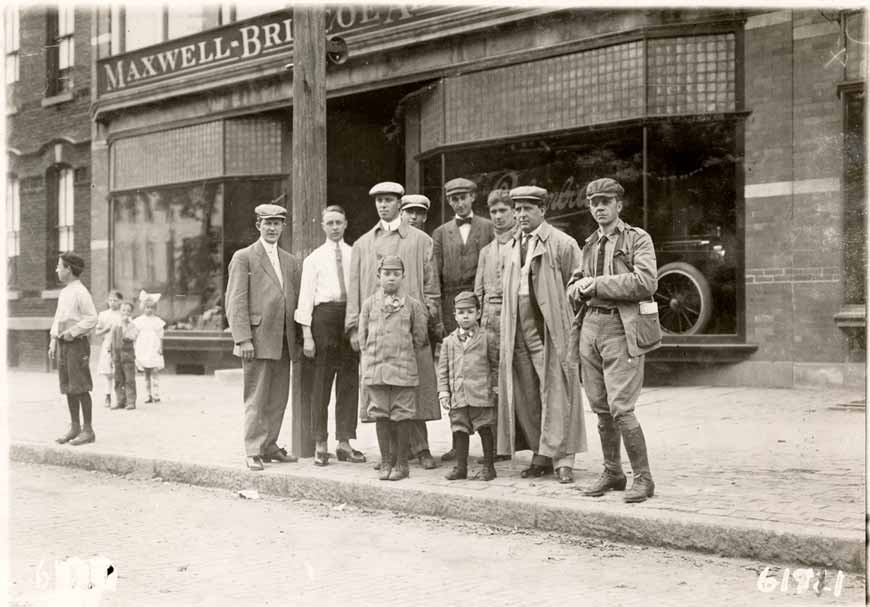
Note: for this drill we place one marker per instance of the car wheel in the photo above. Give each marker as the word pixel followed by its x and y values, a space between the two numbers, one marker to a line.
pixel 684 298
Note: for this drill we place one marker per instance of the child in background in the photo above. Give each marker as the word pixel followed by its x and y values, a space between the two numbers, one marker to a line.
pixel 149 346
pixel 392 326
pixel 122 345
pixel 105 321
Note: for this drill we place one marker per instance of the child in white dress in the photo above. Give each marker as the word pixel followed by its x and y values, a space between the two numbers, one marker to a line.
pixel 149 347
pixel 105 321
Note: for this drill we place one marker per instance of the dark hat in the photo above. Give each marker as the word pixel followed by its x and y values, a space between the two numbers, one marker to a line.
pixel 270 211
pixel 458 186
pixel 497 196
pixel 530 193
pixel 73 262
pixel 387 187
pixel 604 187
pixel 410 201
pixel 391 262
pixel 465 299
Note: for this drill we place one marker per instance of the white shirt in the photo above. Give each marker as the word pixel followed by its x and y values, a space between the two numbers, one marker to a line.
pixel 272 253
pixel 391 226
pixel 524 271
pixel 75 311
pixel 320 279
pixel 465 229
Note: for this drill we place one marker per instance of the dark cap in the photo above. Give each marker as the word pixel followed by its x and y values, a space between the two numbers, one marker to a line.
pixel 458 186
pixel 270 211
pixel 391 262
pixel 499 196
pixel 604 187
pixel 73 262
pixel 465 299
pixel 410 201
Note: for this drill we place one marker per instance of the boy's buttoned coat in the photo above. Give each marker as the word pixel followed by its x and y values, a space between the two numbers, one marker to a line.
pixel 553 258
pixel 388 341
pixel 467 370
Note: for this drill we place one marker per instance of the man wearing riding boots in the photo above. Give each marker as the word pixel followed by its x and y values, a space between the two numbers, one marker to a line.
pixel 616 281
pixel 540 400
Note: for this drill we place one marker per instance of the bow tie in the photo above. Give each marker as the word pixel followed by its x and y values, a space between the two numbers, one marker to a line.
pixel 461 221
pixel 463 335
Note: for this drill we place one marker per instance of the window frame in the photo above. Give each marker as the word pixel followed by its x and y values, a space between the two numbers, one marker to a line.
pixel 12 43
pixel 65 192
pixel 13 216
pixel 59 49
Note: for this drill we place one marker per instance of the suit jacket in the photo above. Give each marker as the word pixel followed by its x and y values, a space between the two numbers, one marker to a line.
pixel 258 309
pixel 468 371
pixel 455 262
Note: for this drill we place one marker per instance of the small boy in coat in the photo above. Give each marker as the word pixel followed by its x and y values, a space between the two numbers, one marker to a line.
pixel 122 345
pixel 468 385
pixel 392 327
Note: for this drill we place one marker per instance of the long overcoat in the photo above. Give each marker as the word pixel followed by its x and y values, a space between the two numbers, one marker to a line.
pixel 415 248
pixel 554 255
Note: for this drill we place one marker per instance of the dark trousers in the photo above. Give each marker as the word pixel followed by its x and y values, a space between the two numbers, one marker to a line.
pixel 125 379
pixel 334 360
pixel 73 366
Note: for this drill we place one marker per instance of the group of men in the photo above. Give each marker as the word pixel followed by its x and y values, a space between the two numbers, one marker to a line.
pixel 536 286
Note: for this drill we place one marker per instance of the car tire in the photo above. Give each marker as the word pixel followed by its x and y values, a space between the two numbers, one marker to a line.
pixel 684 298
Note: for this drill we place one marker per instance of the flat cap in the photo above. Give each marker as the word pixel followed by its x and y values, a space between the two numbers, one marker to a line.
pixel 391 262
pixel 73 261
pixel 499 196
pixel 415 200
pixel 529 192
pixel 458 186
pixel 387 187
pixel 465 299
pixel 270 211
pixel 604 187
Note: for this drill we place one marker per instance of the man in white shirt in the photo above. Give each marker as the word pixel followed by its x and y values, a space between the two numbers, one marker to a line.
pixel 69 346
pixel 320 312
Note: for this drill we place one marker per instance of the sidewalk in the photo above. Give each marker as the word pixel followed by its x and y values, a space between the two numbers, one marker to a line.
pixel 775 475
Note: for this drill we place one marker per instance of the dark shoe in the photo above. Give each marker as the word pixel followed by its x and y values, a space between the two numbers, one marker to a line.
pixel 280 456
pixel 353 456
pixel 118 406
pixel 399 472
pixel 497 458
pixel 149 400
pixel 536 471
pixel 608 481
pixel 254 463
pixel 321 458
pixel 427 461
pixel 565 474
pixel 487 473
pixel 458 473
pixel 74 431
pixel 85 436
pixel 642 488
pixel 449 456
pixel 155 400
pixel 130 407
pixel 385 470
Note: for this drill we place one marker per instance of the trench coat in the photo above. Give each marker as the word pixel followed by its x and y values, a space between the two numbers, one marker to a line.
pixel 553 258
pixel 415 248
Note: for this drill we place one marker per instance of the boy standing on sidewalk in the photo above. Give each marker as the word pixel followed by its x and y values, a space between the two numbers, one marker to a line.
pixel 392 327
pixel 74 318
pixel 467 385
pixel 122 345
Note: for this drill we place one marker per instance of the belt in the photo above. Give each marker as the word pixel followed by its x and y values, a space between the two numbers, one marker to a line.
pixel 603 310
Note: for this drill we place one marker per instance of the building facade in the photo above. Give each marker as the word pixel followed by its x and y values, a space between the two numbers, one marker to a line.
pixel 737 135
pixel 48 179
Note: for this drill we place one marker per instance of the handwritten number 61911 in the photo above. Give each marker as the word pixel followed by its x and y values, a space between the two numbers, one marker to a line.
pixel 804 578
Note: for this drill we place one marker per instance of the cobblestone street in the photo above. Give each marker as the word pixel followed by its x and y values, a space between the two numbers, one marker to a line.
pixel 178 545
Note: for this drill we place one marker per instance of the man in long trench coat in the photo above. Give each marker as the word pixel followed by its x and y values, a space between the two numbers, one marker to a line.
pixel 540 397
pixel 392 236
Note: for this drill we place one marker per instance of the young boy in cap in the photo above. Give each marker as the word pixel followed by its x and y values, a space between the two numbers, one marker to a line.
pixel 467 386
pixel 74 318
pixel 122 345
pixel 392 328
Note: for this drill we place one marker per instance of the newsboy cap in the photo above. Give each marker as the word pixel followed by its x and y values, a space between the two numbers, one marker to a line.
pixel 465 299
pixel 530 193
pixel 410 201
pixel 391 262
pixel 604 187
pixel 73 262
pixel 458 186
pixel 270 211
pixel 387 187
pixel 499 196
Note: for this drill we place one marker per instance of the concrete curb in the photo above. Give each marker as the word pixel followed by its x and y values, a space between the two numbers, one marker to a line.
pixel 762 541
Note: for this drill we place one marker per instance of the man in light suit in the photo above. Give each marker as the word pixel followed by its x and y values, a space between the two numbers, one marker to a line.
pixel 261 296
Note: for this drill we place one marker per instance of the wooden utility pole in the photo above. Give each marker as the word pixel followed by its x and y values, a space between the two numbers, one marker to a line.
pixel 309 180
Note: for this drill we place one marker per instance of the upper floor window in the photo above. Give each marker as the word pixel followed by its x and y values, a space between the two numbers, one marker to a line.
pixel 11 43
pixel 60 49
pixel 13 217
pixel 140 25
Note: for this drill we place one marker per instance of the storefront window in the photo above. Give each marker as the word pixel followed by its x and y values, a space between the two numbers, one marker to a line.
pixel 168 241
pixel 690 207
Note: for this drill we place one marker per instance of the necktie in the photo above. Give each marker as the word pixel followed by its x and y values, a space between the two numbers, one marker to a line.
pixel 340 269
pixel 461 221
pixel 273 257
pixel 599 262
pixel 524 247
